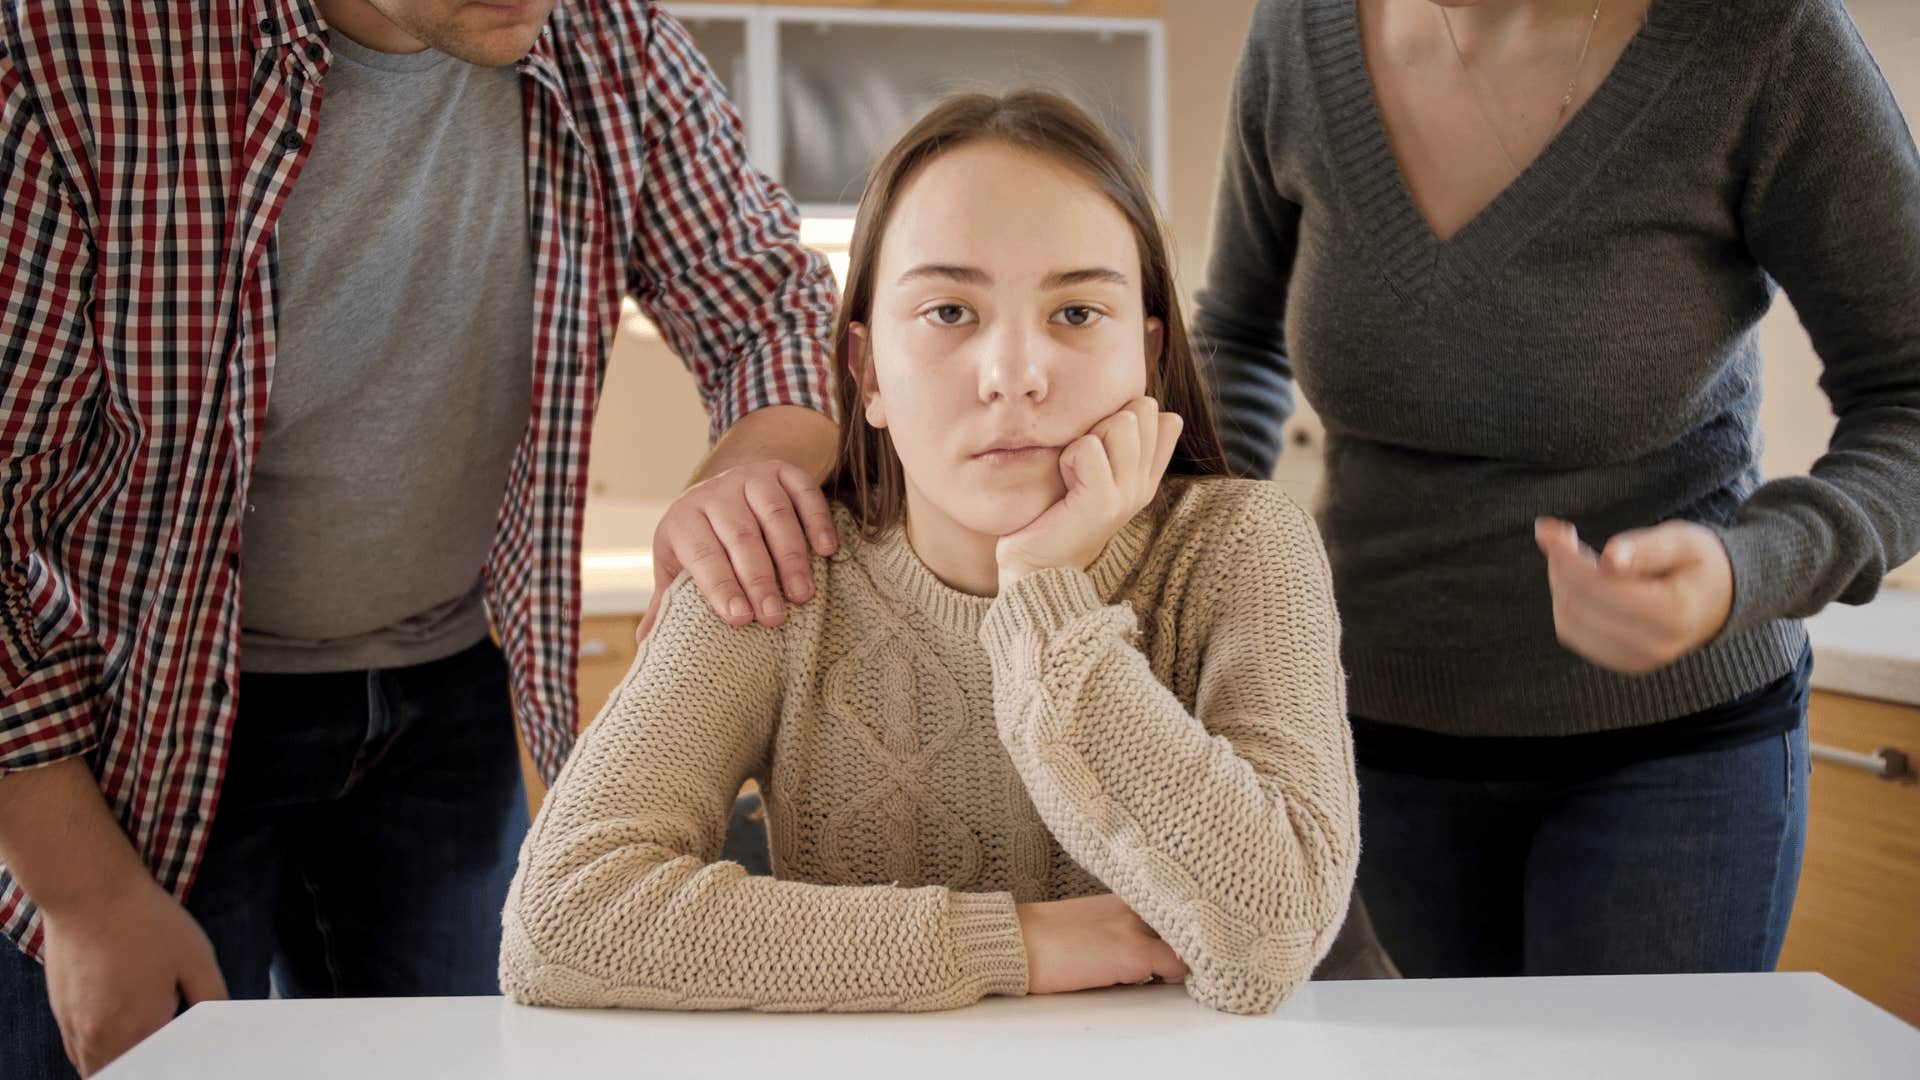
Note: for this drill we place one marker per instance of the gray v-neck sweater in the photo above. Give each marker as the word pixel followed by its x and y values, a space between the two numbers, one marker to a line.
pixel 1586 348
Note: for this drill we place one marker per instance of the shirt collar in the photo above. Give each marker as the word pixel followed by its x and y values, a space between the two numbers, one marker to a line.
pixel 279 22
pixel 541 62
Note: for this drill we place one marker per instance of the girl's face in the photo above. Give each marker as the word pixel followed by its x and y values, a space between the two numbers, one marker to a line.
pixel 1007 320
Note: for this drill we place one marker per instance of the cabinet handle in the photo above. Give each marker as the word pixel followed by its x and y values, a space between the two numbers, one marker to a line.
pixel 1886 763
pixel 592 649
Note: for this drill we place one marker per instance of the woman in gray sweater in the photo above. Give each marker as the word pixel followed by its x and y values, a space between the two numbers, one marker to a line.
pixel 1516 253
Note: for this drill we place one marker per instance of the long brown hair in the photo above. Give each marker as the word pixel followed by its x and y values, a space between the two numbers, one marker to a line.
pixel 867 477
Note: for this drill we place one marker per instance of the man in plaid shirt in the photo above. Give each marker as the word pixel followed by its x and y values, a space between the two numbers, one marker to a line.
pixel 308 301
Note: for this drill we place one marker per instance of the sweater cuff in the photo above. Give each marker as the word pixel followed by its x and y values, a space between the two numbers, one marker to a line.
pixel 987 943
pixel 1040 604
pixel 1772 563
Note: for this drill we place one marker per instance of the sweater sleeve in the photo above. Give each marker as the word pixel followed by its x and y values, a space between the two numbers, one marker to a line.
pixel 1832 212
pixel 1233 829
pixel 1240 313
pixel 619 899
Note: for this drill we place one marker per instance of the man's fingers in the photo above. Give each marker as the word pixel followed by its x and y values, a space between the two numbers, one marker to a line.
pixel 666 565
pixel 653 612
pixel 699 550
pixel 665 569
pixel 786 543
pixel 746 548
pixel 816 517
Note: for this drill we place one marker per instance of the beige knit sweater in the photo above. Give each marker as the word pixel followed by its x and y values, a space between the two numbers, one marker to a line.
pixel 1169 726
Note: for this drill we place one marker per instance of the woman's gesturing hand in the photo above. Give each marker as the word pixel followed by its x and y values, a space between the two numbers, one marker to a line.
pixel 1653 596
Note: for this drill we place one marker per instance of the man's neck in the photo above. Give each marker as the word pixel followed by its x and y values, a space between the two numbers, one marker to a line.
pixel 365 25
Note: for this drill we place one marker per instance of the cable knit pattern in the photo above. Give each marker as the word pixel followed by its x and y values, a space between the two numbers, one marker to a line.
pixel 929 759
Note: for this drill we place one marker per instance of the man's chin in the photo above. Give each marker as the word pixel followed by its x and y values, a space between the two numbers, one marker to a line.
pixel 499 48
pixel 491 35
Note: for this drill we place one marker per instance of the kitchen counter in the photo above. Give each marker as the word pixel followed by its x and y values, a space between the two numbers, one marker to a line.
pixel 616 559
pixel 1872 651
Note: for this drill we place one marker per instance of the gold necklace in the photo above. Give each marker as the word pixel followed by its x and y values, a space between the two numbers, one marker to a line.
pixel 1566 99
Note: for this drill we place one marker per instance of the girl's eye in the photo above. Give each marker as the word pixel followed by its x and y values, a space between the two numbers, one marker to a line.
pixel 1080 315
pixel 948 315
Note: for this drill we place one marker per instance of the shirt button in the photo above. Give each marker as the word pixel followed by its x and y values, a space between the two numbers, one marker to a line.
pixel 220 690
pixel 290 140
pixel 266 26
pixel 315 52
pixel 233 562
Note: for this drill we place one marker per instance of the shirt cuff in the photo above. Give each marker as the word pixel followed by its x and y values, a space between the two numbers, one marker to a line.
pixel 987 942
pixel 1772 561
pixel 790 371
pixel 1039 605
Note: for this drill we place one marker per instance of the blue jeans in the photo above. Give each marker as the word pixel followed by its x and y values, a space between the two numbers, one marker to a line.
pixel 1679 864
pixel 367 830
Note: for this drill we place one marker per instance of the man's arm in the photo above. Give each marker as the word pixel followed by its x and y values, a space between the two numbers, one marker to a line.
pixel 743 529
pixel 720 269
pixel 120 952
pixel 796 435
pixel 60 841
pixel 717 260
pixel 49 382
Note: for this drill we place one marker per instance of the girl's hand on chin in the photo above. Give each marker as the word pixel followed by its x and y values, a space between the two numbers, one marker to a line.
pixel 1111 474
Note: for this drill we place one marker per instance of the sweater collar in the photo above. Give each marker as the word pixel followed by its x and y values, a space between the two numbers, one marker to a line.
pixel 896 568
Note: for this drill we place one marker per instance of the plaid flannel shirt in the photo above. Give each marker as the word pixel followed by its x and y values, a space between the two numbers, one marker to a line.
pixel 147 150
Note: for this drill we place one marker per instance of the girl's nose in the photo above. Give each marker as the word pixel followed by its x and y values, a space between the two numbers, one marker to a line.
pixel 1013 366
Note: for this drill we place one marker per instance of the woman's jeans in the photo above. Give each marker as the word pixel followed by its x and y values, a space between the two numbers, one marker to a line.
pixel 1678 864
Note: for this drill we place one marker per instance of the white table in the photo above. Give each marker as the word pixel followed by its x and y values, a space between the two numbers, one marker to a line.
pixel 1793 1026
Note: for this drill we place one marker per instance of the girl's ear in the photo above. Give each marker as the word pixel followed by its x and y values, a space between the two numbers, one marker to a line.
pixel 1156 340
pixel 860 363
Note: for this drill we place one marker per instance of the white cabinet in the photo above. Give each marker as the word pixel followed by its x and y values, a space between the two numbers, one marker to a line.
pixel 825 91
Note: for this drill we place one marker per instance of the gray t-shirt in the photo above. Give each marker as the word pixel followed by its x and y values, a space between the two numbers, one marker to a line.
pixel 402 384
